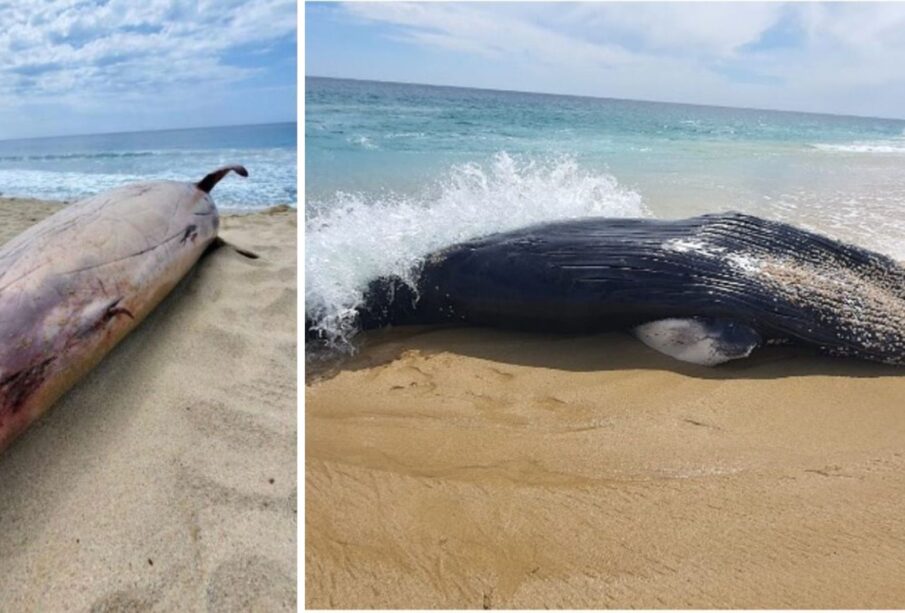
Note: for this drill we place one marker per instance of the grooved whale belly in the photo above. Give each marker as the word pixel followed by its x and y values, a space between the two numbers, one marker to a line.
pixel 779 282
pixel 73 285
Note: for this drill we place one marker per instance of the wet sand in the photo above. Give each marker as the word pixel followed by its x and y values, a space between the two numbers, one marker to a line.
pixel 166 479
pixel 452 467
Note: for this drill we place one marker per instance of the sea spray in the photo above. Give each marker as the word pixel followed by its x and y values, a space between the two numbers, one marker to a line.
pixel 353 239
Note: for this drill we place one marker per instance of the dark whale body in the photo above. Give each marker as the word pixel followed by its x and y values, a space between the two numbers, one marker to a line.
pixel 731 271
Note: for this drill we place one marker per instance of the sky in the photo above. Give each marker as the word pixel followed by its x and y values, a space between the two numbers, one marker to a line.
pixel 93 66
pixel 841 58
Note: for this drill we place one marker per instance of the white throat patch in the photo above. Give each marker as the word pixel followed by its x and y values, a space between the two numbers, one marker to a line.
pixel 698 341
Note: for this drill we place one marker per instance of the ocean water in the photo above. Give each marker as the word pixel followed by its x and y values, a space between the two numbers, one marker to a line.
pixel 72 167
pixel 395 171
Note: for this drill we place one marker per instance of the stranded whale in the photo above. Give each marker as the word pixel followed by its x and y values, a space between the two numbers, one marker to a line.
pixel 73 285
pixel 705 290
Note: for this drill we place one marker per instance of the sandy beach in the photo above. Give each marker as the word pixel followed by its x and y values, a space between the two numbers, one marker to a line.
pixel 166 479
pixel 452 467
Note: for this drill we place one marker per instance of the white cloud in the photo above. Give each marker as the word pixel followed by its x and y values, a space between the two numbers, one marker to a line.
pixel 491 30
pixel 715 28
pixel 88 52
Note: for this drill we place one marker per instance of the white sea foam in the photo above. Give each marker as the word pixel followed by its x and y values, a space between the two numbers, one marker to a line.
pixel 745 263
pixel 896 146
pixel 351 240
pixel 362 141
pixel 684 245
pixel 272 178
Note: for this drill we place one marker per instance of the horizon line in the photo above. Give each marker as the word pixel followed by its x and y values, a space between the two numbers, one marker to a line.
pixel 229 125
pixel 589 97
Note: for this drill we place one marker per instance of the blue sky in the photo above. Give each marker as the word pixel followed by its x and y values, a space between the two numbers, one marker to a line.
pixel 845 58
pixel 89 66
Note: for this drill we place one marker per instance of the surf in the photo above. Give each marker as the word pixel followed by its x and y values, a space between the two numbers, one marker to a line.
pixel 352 239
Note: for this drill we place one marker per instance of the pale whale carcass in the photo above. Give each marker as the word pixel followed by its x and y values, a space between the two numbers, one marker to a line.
pixel 73 285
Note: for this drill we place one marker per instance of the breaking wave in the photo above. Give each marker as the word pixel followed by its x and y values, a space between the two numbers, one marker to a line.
pixel 272 174
pixel 896 146
pixel 352 239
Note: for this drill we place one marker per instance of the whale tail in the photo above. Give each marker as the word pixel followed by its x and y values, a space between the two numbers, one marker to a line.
pixel 208 182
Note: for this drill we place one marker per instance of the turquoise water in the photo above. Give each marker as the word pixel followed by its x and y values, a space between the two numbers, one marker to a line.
pixel 71 167
pixel 394 171
pixel 372 136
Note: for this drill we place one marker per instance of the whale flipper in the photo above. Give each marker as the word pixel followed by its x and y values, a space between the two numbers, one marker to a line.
pixel 705 341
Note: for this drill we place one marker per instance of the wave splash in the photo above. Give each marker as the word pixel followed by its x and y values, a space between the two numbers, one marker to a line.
pixel 352 240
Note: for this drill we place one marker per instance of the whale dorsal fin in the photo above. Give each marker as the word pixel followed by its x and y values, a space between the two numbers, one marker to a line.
pixel 207 183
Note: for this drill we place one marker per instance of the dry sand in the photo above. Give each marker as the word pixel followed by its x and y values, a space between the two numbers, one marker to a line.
pixel 477 468
pixel 166 480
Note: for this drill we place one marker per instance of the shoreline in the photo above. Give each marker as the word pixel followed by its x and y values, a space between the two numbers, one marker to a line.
pixel 465 467
pixel 166 478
